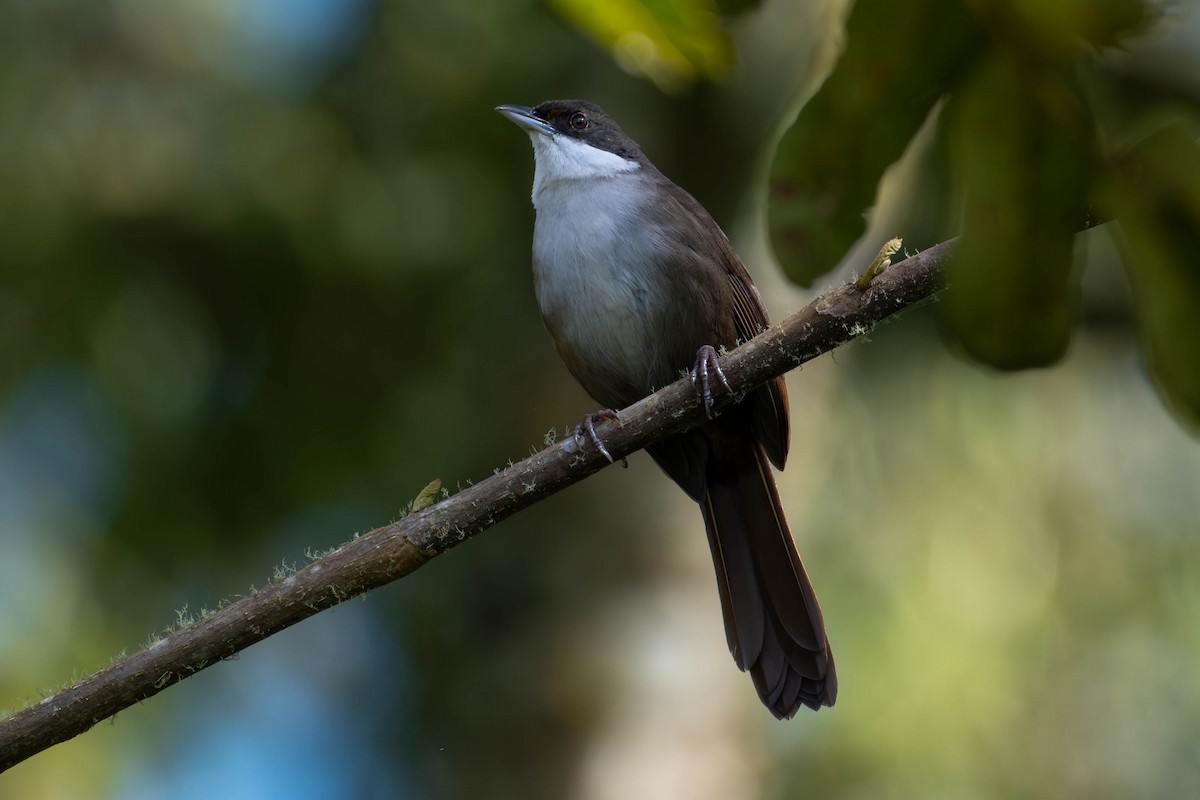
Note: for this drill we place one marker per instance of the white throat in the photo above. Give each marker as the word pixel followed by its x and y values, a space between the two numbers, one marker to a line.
pixel 560 158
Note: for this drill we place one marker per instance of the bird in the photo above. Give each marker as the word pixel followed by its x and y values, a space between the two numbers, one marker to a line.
pixel 637 284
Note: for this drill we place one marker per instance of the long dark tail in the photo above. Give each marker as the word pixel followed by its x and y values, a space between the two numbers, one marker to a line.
pixel 772 619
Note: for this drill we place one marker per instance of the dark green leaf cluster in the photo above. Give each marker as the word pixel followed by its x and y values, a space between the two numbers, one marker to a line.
pixel 1041 125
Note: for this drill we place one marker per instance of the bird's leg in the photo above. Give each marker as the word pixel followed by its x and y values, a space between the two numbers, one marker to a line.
pixel 588 426
pixel 706 362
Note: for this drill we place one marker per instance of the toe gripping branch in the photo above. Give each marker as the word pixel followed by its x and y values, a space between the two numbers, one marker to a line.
pixel 588 426
pixel 706 364
pixel 706 369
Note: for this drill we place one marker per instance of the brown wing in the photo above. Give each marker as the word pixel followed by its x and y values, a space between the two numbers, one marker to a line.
pixel 683 459
pixel 770 406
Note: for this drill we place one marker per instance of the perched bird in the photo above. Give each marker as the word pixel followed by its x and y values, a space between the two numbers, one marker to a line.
pixel 636 283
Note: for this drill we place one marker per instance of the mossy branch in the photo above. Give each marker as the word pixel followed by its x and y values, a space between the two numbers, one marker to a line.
pixel 393 551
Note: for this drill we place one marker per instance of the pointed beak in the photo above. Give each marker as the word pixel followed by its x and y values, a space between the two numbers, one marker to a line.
pixel 524 117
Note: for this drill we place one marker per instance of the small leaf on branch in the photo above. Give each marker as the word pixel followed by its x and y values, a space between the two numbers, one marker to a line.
pixel 424 498
pixel 881 262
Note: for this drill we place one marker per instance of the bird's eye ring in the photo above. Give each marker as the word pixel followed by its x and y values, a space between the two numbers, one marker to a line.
pixel 579 120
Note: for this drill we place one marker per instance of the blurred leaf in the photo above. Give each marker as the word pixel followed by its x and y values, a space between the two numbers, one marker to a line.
pixel 672 42
pixel 1018 131
pixel 1062 24
pixel 1023 169
pixel 734 7
pixel 1155 193
pixel 830 161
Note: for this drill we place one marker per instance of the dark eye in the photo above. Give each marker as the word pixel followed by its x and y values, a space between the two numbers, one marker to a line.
pixel 579 121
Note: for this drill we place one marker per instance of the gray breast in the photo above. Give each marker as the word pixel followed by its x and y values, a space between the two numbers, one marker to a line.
pixel 598 281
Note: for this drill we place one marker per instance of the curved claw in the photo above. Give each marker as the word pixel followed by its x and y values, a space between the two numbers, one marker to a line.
pixel 588 426
pixel 706 362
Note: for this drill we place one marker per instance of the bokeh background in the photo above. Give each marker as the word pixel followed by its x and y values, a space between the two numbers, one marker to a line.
pixel 264 273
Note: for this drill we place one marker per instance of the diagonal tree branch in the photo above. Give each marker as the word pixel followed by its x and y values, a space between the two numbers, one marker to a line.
pixel 393 551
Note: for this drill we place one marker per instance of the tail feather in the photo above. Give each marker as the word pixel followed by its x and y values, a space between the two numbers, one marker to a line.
pixel 737 577
pixel 772 620
pixel 776 557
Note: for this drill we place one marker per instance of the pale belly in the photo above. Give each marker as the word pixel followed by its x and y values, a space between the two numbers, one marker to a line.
pixel 631 283
pixel 601 295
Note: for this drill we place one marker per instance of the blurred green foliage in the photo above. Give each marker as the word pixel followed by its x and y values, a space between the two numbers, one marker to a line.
pixel 830 160
pixel 264 274
pixel 1155 193
pixel 672 42
pixel 1042 130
